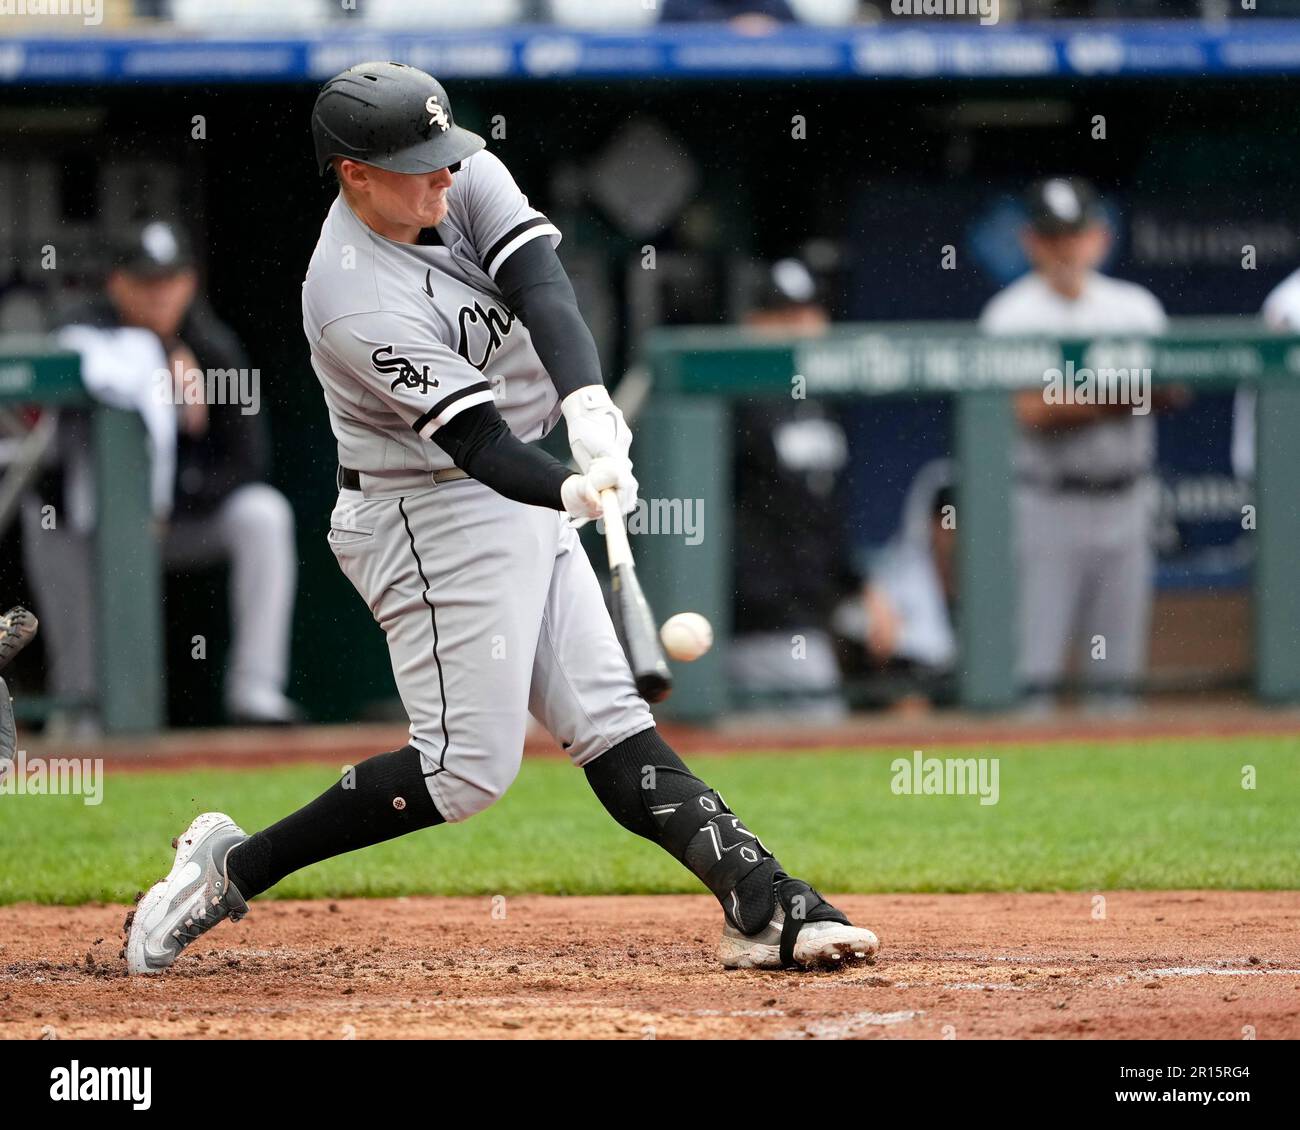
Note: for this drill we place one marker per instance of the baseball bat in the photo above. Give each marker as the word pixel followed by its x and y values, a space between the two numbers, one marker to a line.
pixel 633 620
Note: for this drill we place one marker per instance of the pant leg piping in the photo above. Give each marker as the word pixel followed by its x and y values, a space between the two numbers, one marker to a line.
pixel 433 619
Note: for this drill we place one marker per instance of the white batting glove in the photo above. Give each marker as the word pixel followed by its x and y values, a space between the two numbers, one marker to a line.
pixel 581 493
pixel 596 426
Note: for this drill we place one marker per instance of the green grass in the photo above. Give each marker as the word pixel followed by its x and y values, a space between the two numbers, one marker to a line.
pixel 1170 813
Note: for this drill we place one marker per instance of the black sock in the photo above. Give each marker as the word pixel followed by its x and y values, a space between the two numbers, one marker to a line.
pixel 618 778
pixel 383 797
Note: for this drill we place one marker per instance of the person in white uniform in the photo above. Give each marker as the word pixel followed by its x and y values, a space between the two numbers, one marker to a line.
pixel 446 338
pixel 151 343
pixel 1083 504
pixel 1281 313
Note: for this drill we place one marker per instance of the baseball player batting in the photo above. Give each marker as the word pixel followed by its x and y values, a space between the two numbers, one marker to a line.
pixel 447 338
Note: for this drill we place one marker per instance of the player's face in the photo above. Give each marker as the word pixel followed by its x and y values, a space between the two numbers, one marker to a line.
pixel 805 318
pixel 420 197
pixel 157 303
pixel 1066 258
pixel 403 202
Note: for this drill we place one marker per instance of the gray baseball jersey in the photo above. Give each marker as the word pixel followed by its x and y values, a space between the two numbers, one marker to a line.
pixel 490 607
pixel 1111 448
pixel 404 336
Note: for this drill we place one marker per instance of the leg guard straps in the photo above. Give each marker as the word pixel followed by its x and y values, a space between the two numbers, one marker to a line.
pixel 722 850
pixel 648 789
pixel 802 904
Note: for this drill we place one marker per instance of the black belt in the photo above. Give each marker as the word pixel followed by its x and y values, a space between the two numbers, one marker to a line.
pixel 348 479
pixel 1075 484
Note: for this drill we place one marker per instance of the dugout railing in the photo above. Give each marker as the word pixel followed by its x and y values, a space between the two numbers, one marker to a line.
pixel 127 575
pixel 683 451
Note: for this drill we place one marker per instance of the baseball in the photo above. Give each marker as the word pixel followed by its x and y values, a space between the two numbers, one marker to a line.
pixel 686 636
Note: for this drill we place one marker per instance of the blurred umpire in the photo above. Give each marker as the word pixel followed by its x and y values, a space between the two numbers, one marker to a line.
pixel 1083 501
pixel 147 343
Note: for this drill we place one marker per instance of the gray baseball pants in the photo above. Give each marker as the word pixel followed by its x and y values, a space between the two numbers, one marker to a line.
pixel 1086 574
pixel 491 610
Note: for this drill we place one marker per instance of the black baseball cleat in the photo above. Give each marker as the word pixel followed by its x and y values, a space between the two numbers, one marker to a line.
pixel 805 932
pixel 17 630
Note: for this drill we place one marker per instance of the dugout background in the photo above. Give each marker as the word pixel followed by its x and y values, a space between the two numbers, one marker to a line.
pixel 890 172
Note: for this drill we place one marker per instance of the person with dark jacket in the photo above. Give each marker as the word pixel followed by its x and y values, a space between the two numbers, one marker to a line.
pixel 792 560
pixel 151 342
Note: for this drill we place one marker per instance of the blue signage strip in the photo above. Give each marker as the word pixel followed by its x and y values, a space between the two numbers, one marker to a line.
pixel 952 48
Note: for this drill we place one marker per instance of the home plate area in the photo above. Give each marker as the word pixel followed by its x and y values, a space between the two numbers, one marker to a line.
pixel 1214 965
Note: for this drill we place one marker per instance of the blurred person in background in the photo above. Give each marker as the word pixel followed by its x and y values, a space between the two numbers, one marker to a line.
pixel 743 15
pixel 908 607
pixel 147 343
pixel 1083 502
pixel 1281 313
pixel 792 561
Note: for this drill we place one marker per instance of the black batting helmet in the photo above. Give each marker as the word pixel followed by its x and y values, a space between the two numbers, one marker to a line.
pixel 152 249
pixel 1063 206
pixel 389 115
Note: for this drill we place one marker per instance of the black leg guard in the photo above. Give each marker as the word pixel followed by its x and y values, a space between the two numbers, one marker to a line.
pixel 649 790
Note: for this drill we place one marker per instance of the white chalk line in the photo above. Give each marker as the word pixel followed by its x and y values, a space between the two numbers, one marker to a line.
pixel 842 1027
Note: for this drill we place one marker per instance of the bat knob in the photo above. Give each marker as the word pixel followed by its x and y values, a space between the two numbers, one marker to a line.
pixel 654 686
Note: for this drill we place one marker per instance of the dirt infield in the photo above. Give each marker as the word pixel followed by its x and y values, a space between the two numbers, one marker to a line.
pixel 1218 965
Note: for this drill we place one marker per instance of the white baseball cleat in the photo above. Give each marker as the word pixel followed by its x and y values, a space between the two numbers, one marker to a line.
pixel 195 896
pixel 805 932
pixel 820 945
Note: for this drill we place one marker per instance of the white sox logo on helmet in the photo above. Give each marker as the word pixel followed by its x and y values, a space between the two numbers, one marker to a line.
pixel 437 113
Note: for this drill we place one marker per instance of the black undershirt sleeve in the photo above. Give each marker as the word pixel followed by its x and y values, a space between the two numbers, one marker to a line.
pixel 481 444
pixel 537 289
